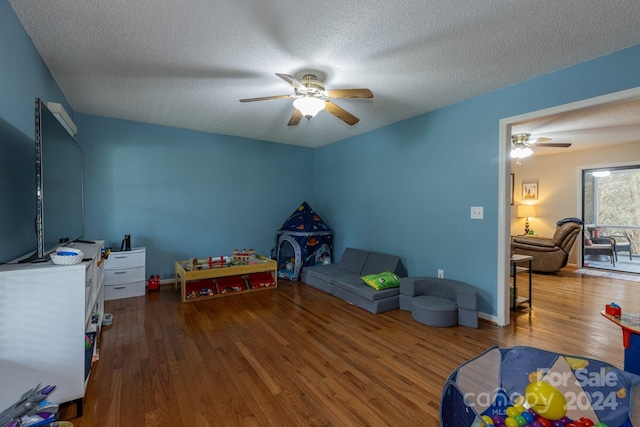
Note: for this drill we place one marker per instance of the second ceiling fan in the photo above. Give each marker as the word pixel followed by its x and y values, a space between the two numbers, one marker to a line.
pixel 521 145
pixel 311 97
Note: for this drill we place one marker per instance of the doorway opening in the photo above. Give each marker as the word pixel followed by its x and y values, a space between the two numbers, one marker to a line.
pixel 502 317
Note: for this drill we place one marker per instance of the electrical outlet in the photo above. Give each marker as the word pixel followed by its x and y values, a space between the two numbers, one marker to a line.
pixel 440 274
pixel 477 212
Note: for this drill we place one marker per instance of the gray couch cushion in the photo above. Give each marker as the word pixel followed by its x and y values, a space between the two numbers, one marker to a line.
pixel 378 262
pixel 357 286
pixel 434 311
pixel 375 306
pixel 323 271
pixel 352 260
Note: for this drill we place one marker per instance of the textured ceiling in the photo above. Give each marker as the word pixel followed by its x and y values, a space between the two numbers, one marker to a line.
pixel 187 63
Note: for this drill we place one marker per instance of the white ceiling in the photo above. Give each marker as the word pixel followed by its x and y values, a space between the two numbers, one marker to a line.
pixel 187 63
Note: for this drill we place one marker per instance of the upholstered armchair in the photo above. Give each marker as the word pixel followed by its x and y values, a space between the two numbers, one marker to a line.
pixel 550 254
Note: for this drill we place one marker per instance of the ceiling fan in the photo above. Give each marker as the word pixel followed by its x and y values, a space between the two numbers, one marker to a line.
pixel 521 145
pixel 311 97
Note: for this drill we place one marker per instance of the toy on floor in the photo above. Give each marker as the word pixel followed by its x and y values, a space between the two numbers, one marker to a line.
pixel 33 410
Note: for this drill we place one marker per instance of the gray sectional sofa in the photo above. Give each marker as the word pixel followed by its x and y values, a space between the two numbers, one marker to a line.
pixel 343 280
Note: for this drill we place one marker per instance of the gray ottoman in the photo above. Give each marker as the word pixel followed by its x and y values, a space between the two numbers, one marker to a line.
pixel 434 311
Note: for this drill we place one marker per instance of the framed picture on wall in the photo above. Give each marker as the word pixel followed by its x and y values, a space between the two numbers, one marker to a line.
pixel 513 180
pixel 530 190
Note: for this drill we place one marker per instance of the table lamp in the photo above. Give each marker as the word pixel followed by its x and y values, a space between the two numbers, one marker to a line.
pixel 526 211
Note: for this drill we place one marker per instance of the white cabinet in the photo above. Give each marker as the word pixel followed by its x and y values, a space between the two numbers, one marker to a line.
pixel 125 274
pixel 45 312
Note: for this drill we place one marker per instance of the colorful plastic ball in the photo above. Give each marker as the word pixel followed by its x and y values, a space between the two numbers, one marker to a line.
pixel 536 424
pixel 543 422
pixel 546 400
pixel 557 423
pixel 566 419
pixel 512 411
pixel 521 420
pixel 601 425
pixel 511 422
pixel 497 420
pixel 527 416
pixel 587 421
pixel 487 419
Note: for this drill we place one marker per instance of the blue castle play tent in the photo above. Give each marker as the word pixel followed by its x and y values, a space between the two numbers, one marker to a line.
pixel 498 378
pixel 304 239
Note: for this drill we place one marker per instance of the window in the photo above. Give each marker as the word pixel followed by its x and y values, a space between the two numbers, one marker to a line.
pixel 611 207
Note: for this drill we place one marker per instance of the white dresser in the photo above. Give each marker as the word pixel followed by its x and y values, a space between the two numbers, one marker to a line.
pixel 45 312
pixel 124 274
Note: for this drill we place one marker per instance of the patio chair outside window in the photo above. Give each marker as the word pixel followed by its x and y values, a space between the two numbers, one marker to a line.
pixel 594 246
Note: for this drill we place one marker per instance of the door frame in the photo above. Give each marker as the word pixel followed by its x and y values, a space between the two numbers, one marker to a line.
pixel 504 183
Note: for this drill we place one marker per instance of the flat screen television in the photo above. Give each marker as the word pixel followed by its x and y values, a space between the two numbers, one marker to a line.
pixel 59 183
pixel 17 188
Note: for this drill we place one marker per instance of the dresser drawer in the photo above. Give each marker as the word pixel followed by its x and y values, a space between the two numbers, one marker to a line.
pixel 124 275
pixel 125 290
pixel 125 259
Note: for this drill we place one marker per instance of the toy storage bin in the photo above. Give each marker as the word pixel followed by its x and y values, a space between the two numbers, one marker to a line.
pixel 196 288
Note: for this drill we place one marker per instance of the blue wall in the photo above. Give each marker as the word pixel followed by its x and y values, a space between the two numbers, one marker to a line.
pixel 185 194
pixel 408 188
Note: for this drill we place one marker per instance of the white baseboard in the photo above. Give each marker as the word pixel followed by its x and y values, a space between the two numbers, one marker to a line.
pixel 488 317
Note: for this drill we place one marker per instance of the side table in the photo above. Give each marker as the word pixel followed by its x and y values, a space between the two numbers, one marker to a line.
pixel 515 260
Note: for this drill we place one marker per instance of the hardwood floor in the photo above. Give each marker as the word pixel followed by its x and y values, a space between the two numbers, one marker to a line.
pixel 296 356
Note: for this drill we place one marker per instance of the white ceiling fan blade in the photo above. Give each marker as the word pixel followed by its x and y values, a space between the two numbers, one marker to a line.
pixel 538 140
pixel 293 82
pixel 266 98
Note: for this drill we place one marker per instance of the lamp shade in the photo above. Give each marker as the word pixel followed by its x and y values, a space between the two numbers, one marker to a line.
pixel 521 152
pixel 526 211
pixel 308 106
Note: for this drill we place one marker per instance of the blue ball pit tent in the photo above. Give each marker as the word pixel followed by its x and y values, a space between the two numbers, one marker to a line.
pixel 304 239
pixel 496 379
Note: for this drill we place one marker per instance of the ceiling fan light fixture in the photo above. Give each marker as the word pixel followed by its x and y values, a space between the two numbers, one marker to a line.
pixel 309 106
pixel 521 152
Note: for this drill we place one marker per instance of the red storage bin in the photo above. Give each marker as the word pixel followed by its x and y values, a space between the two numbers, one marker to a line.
pixel 261 280
pixel 230 284
pixel 197 288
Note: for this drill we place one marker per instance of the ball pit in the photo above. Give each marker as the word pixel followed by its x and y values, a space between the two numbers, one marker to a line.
pixel 564 391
